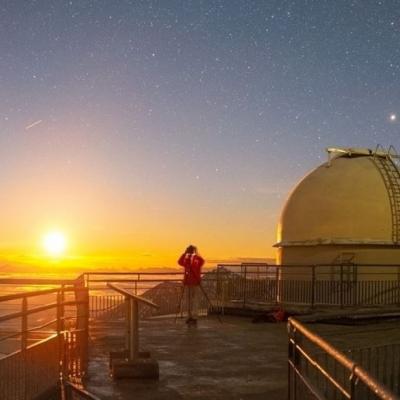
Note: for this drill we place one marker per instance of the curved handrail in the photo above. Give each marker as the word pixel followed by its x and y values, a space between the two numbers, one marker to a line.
pixel 357 372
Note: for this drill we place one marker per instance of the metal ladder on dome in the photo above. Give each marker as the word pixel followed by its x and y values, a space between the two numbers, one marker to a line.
pixel 391 177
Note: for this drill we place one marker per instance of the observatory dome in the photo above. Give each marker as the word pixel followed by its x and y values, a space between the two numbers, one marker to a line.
pixel 352 201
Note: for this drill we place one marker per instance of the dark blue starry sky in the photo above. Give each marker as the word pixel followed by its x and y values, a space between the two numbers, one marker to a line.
pixel 140 126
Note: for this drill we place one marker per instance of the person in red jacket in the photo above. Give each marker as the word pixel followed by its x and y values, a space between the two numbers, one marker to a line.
pixel 192 262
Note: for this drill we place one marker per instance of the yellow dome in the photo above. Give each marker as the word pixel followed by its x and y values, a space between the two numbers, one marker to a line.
pixel 353 199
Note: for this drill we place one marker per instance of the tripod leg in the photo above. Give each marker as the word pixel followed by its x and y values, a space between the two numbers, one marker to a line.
pixel 190 302
pixel 209 301
pixel 179 309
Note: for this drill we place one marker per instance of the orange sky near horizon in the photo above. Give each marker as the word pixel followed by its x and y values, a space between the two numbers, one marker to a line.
pixel 110 225
pixel 114 214
pixel 143 245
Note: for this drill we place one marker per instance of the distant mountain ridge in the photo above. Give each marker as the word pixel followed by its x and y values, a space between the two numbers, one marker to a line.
pixel 241 260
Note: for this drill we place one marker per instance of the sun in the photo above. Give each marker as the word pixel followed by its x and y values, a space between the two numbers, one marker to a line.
pixel 54 243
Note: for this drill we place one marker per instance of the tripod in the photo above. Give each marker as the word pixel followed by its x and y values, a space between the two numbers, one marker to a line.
pixel 180 302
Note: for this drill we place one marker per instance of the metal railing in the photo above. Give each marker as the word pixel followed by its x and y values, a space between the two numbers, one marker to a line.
pixel 44 336
pixel 72 391
pixel 164 289
pixel 317 370
pixel 239 285
pixel 309 285
pixel 34 372
pixel 242 285
pixel 381 361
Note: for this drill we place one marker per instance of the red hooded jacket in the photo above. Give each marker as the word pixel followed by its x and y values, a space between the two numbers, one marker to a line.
pixel 192 264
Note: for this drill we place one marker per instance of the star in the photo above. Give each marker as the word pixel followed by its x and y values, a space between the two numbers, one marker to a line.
pixel 393 117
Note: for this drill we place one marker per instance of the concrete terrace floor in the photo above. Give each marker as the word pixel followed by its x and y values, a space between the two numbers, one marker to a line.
pixel 233 360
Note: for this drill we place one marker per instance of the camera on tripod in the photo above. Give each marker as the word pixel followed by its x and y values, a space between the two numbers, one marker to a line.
pixel 191 250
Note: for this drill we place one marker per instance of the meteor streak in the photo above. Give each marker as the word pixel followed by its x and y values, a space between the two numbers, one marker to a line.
pixel 33 124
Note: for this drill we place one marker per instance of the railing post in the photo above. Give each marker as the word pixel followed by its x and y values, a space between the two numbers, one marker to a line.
pixel 24 344
pixel 277 294
pixel 60 311
pixel 128 325
pixel 60 328
pixel 82 318
pixel 341 287
pixel 68 392
pixel 218 288
pixel 24 325
pixel 86 330
pixel 353 385
pixel 293 361
pixel 313 283
pixel 398 287
pixel 290 359
pixel 245 286
pixel 86 278
pixel 224 296
pixel 355 285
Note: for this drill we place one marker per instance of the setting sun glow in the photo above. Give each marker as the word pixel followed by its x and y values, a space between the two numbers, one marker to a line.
pixel 54 243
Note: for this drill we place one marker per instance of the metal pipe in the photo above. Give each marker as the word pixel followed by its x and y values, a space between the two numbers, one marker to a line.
pixel 128 325
pixel 341 286
pixel 18 296
pixel 313 287
pixel 350 365
pixel 24 341
pixel 245 286
pixel 24 324
pixel 277 287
